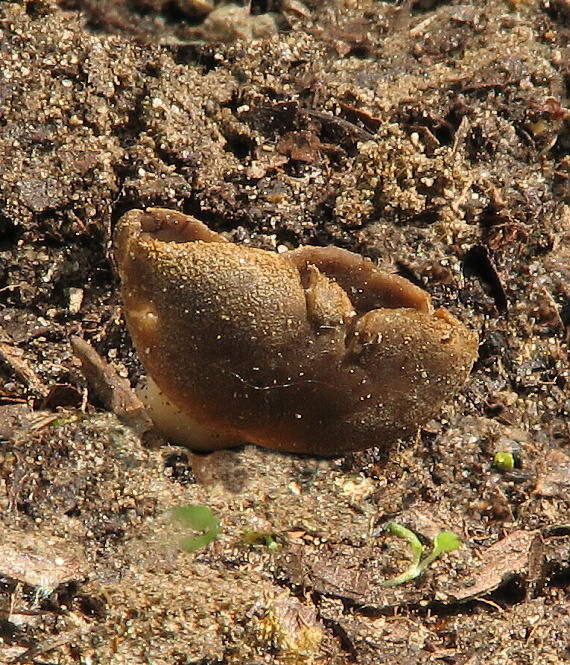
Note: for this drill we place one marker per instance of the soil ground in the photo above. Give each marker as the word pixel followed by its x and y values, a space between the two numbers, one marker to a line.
pixel 433 137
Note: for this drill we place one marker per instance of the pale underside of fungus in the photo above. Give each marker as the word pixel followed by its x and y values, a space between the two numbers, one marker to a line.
pixel 311 351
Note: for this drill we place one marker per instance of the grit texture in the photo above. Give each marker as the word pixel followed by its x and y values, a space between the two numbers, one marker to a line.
pixel 431 136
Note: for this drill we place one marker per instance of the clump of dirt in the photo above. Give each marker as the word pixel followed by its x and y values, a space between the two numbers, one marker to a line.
pixel 430 136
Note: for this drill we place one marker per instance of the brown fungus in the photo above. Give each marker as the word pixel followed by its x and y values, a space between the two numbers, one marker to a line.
pixel 311 351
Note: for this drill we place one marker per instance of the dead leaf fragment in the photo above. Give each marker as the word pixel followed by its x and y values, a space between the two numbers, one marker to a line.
pixel 39 559
pixel 554 479
pixel 501 561
pixel 291 627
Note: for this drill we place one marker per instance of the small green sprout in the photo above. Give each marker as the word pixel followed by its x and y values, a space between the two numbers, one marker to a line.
pixel 445 541
pixel 504 461
pixel 260 538
pixel 199 518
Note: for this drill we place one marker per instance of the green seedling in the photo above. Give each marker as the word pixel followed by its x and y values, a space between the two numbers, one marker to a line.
pixel 260 538
pixel 199 518
pixel 504 461
pixel 445 541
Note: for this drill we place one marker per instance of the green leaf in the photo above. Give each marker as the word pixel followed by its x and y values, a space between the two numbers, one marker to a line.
pixel 193 543
pixel 446 541
pixel 199 518
pixel 196 517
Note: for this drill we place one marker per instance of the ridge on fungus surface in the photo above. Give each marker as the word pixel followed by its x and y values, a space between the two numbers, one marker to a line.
pixel 314 350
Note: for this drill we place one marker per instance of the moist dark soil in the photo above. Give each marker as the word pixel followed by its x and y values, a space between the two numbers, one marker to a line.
pixel 432 137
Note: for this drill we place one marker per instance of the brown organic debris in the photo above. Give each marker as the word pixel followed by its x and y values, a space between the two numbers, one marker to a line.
pixel 113 391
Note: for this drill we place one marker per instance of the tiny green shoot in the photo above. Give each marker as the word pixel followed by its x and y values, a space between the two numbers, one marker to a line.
pixel 445 541
pixel 251 537
pixel 504 461
pixel 199 518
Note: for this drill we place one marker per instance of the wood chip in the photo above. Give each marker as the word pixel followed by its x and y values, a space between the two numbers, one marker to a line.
pixel 12 356
pixel 114 392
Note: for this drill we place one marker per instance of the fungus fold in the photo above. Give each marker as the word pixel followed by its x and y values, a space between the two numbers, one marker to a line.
pixel 312 351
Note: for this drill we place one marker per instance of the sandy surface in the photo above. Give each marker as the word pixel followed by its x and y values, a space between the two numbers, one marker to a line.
pixel 430 136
